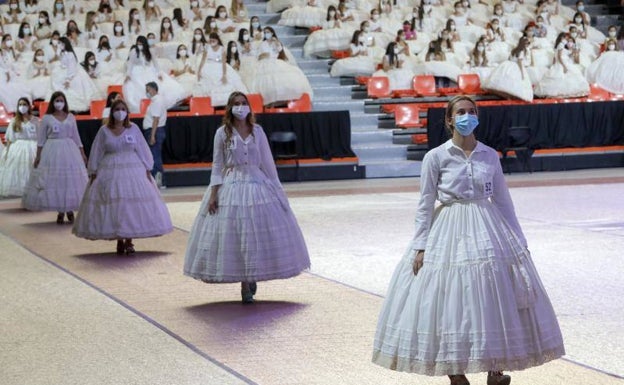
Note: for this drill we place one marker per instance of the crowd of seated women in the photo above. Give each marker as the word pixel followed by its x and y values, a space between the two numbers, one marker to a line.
pixel 189 47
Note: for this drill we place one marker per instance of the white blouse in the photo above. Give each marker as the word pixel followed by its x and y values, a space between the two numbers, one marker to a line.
pixel 28 131
pixel 448 175
pixel 52 128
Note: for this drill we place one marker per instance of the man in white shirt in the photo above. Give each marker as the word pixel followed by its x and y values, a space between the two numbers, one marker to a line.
pixel 154 130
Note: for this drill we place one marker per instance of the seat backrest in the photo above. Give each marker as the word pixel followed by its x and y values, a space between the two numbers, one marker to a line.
pixel 97 108
pixel 469 84
pixel 282 136
pixel 518 136
pixel 424 85
pixel 144 104
pixel 378 87
pixel 256 103
pixel 303 104
pixel 283 143
pixel 406 115
pixel 114 87
pixel 598 93
pixel 5 118
pixel 43 107
pixel 201 105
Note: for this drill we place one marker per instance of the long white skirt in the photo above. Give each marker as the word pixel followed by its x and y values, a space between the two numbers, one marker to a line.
pixel 278 80
pixel 254 235
pixel 476 305
pixel 134 89
pixel 510 80
pixel 15 169
pixel 607 72
pixel 122 202
pixel 59 181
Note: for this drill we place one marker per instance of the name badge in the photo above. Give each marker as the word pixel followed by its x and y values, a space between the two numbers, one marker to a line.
pixel 488 188
pixel 232 144
pixel 56 129
pixel 130 139
pixel 31 128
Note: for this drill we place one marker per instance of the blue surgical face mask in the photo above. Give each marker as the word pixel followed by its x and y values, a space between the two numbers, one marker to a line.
pixel 466 123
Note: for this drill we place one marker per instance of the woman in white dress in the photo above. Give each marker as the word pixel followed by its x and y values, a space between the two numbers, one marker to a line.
pixel 73 80
pixel 274 77
pixel 331 37
pixel 183 69
pixel 43 29
pixel 143 68
pixel 395 70
pixel 245 230
pixel 225 25
pixel 498 47
pixel 510 79
pixel 59 177
pixel 14 15
pixel 216 78
pixel 606 71
pixel 38 76
pixel 309 15
pixel 111 67
pixel 19 154
pixel 26 43
pixel 359 61
pixel 121 201
pixel 12 84
pixel 479 63
pixel 564 79
pixel 466 297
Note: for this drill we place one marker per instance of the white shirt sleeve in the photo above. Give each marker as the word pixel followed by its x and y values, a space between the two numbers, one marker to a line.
pixel 430 172
pixel 218 158
pixel 502 200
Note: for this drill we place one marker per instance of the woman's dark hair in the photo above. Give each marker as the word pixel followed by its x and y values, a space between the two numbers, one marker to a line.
pixel 146 51
pixel 392 57
pixel 241 32
pixel 229 56
pixel 355 39
pixel 47 19
pixel 253 30
pixel 214 35
pixel 130 18
pixel 195 42
pixel 329 9
pixel 104 8
pixel 111 96
pixel 67 45
pixel 51 108
pixel 177 16
pixel 103 43
pixel 72 22
pixel 85 63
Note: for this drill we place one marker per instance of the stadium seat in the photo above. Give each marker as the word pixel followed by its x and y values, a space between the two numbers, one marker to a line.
pixel 43 107
pixel 341 54
pixel 424 85
pixel 201 105
pixel 469 84
pixel 142 109
pixel 303 104
pixel 5 117
pixel 406 116
pixel 256 103
pixel 596 93
pixel 97 108
pixel 378 87
pixel 114 87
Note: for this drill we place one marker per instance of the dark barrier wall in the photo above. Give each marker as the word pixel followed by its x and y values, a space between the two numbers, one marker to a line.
pixel 552 125
pixel 323 135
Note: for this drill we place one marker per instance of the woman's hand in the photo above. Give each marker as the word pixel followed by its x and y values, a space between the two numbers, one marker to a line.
pixel 212 204
pixel 418 261
pixel 92 178
pixel 36 162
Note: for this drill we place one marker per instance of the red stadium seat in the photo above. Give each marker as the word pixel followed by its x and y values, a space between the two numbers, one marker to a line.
pixel 406 116
pixel 303 104
pixel 341 54
pixel 114 87
pixel 97 108
pixel 378 87
pixel 469 84
pixel 424 85
pixel 43 107
pixel 201 105
pixel 5 117
pixel 256 103
pixel 596 93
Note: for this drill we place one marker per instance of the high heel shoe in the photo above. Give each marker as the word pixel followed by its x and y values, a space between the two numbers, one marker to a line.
pixel 60 218
pixel 129 247
pixel 246 293
pixel 459 379
pixel 120 247
pixel 498 378
pixel 70 216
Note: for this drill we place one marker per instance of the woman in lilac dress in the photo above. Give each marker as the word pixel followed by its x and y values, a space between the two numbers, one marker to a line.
pixel 121 201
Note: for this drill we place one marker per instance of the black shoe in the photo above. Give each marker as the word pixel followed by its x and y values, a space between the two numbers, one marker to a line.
pixel 60 218
pixel 253 287
pixel 70 217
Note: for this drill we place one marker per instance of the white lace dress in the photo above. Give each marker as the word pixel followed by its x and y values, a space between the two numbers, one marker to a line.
pixel 477 304
pixel 17 161
pixel 559 84
pixel 254 235
pixel 211 82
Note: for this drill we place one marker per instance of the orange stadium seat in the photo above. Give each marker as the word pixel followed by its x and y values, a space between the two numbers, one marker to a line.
pixel 406 116
pixel 256 103
pixel 5 117
pixel 114 87
pixel 43 107
pixel 201 105
pixel 596 93
pixel 378 87
pixel 424 85
pixel 469 84
pixel 97 108
pixel 303 104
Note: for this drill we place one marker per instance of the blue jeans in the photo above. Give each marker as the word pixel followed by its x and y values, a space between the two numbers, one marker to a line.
pixel 156 148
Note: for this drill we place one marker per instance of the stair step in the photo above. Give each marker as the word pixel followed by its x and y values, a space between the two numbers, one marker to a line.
pixel 362 138
pixel 392 169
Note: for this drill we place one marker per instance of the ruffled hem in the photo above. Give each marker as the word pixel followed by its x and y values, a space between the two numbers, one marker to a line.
pixel 402 364
pixel 208 278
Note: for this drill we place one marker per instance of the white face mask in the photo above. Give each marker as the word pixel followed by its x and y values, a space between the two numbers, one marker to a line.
pixel 59 7
pixel 375 16
pixel 23 109
pixel 268 35
pixel 39 58
pixel 194 4
pixel 233 49
pixel 27 31
pixel 13 6
pixel 611 47
pixel 42 20
pixel 396 51
pixel 92 62
pixel 365 29
pixel 197 37
pixel 612 33
pixel 499 12
pixel 213 24
pixel 120 115
pixel 581 8
pixel 59 105
pixel 361 39
pixel 426 8
pixel 240 112
pixel 166 25
pixel 332 13
pixel 182 53
pixel 480 49
pixel 140 47
pixel 148 95
pixel 136 16
pixel 213 43
pixel 151 42
pixel 9 43
pixel 222 15
pixel 255 25
pixel 118 28
pixel 245 37
pixel 578 20
pixel 574 34
pixel 54 42
pixel 150 4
